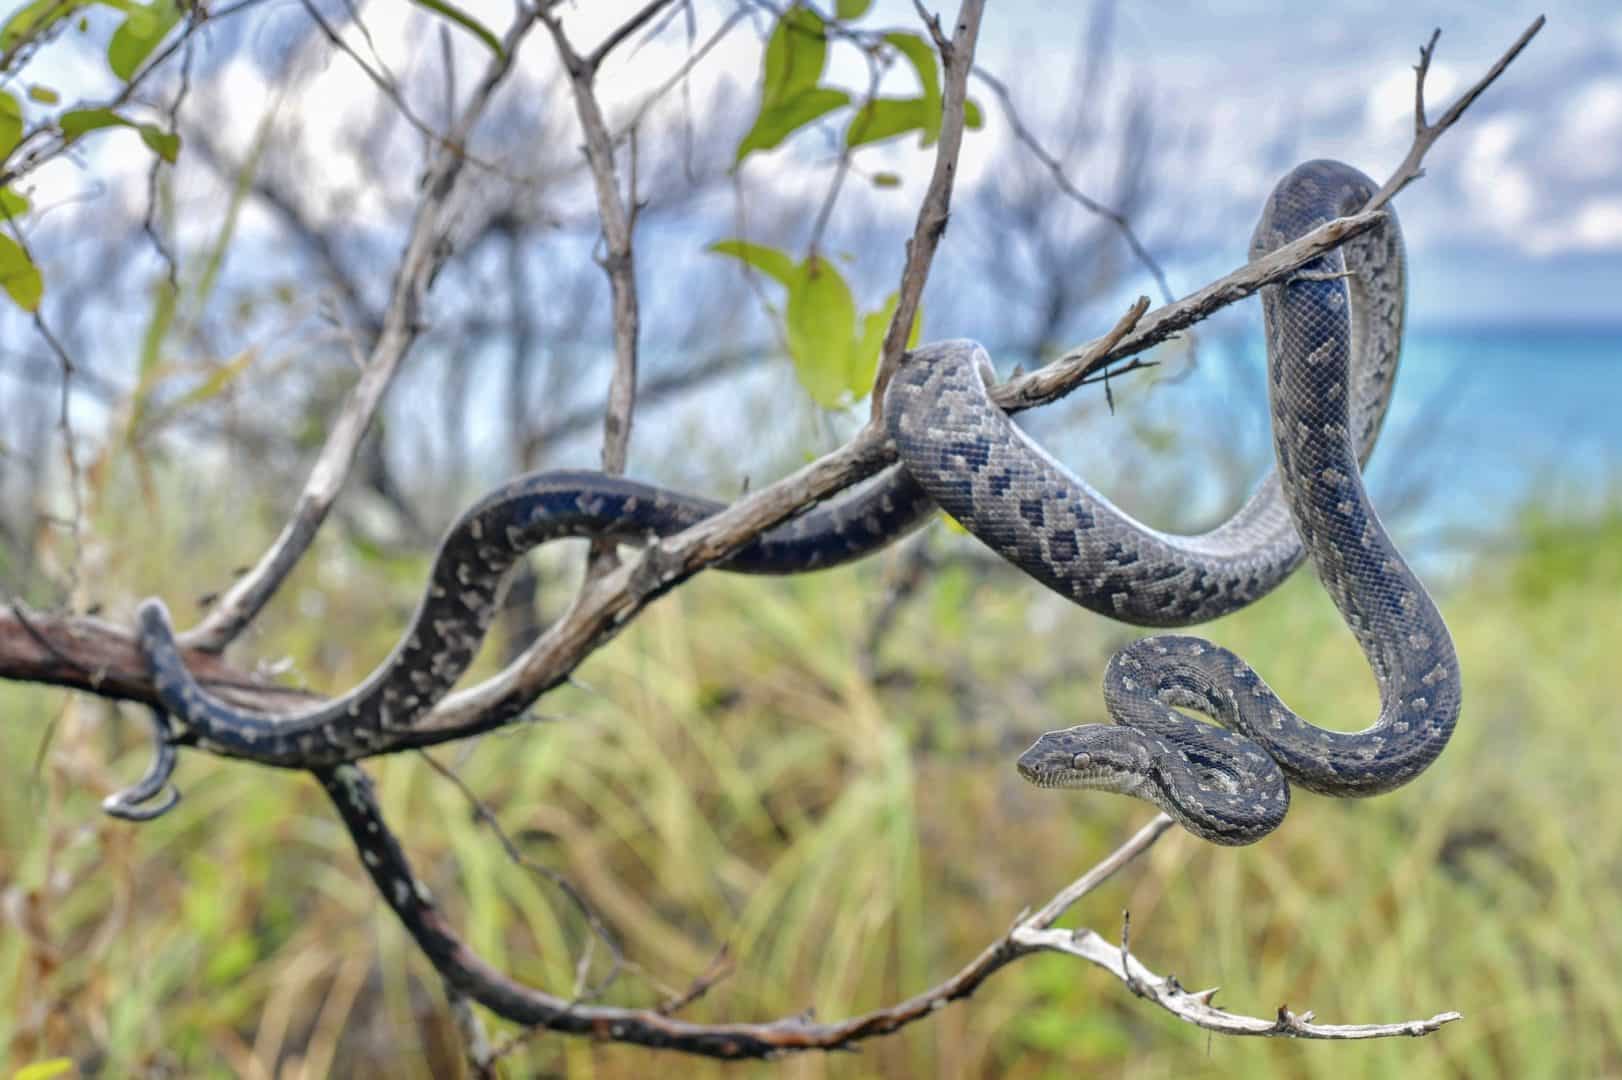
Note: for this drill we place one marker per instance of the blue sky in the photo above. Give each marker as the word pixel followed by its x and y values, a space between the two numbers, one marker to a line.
pixel 1519 219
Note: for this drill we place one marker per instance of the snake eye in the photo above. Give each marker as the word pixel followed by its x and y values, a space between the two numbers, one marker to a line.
pixel 1081 761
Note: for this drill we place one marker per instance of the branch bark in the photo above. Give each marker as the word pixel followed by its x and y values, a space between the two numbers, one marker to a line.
pixel 957 57
pixel 611 601
pixel 351 793
pixel 427 248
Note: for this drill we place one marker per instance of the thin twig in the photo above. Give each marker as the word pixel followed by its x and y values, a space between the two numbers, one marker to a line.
pixel 1056 168
pixel 618 261
pixel 679 77
pixel 599 928
pixel 1425 134
pixel 427 248
pixel 70 453
pixel 351 793
pixel 623 31
pixel 957 57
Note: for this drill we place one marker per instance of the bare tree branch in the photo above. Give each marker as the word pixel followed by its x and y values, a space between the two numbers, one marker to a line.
pixel 617 220
pixel 957 56
pixel 87 653
pixel 385 860
pixel 623 31
pixel 426 250
pixel 1425 134
pixel 602 609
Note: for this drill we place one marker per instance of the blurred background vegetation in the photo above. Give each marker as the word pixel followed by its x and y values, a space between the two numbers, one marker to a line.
pixel 811 774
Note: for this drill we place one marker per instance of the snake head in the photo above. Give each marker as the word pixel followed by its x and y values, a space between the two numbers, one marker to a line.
pixel 1097 757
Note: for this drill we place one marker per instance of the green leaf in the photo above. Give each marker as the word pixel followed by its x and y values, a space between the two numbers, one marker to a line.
pixel 852 9
pixel 11 123
pixel 922 57
pixel 768 260
pixel 76 122
pixel 790 98
pixel 142 30
pixel 864 362
pixel 796 54
pixel 973 118
pixel 885 118
pixel 886 180
pixel 43 94
pixel 12 204
pixel 44 1070
pixel 821 323
pixel 31 20
pixel 465 21
pixel 166 144
pixel 19 276
pixel 774 124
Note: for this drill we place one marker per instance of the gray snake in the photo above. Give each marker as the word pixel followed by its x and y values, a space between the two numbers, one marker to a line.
pixel 1332 340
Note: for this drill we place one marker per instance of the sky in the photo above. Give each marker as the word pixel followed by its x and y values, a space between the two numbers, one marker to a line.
pixel 1518 221
pixel 1519 218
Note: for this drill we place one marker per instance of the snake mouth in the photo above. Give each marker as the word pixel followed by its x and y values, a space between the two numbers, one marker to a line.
pixel 1077 771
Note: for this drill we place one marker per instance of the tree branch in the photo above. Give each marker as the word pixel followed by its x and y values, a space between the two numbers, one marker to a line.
pixel 351 793
pixel 602 609
pixel 1056 169
pixel 1425 134
pixel 617 219
pixel 957 56
pixel 427 248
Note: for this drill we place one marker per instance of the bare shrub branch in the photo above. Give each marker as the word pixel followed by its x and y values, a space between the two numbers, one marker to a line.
pixel 427 248
pixel 957 56
pixel 351 793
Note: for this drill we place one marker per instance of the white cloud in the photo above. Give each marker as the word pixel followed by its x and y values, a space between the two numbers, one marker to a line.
pixel 1389 109
pixel 1498 188
pixel 1589 139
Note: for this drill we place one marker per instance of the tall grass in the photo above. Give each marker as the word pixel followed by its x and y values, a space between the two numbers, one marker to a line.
pixel 725 775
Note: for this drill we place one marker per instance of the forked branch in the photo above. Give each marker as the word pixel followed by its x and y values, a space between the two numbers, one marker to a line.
pixel 385 860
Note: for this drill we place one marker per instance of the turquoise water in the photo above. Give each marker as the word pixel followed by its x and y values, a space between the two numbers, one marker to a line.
pixel 1484 422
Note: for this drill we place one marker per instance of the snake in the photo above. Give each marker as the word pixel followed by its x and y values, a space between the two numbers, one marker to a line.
pixel 1333 335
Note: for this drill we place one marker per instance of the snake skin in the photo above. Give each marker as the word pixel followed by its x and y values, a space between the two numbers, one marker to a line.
pixel 1232 786
pixel 1333 347
pixel 464 592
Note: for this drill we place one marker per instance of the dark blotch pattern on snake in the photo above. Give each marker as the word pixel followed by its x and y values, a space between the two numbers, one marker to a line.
pixel 958 449
pixel 1332 335
pixel 464 591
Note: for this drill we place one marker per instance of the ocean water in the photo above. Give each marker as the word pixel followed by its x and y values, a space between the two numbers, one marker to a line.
pixel 1485 422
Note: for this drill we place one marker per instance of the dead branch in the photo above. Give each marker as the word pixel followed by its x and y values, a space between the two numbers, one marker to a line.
pixel 615 598
pixel 957 57
pixel 351 793
pixel 427 248
pixel 1426 134
pixel 1056 168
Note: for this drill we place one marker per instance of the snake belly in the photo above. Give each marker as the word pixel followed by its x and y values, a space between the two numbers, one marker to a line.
pixel 1333 333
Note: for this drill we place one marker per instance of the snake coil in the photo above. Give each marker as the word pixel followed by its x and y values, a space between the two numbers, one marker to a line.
pixel 1333 334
